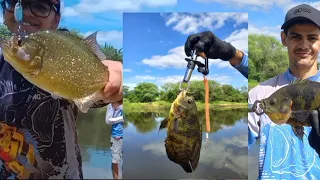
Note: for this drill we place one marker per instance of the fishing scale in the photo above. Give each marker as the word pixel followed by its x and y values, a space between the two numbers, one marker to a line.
pixel 202 68
pixel 192 62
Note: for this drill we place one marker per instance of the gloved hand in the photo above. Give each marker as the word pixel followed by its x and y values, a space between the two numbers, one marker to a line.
pixel 314 136
pixel 211 45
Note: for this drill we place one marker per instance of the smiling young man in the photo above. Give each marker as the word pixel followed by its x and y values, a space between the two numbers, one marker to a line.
pixel 38 138
pixel 282 154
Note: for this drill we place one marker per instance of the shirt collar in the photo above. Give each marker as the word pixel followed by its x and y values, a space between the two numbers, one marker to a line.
pixel 290 77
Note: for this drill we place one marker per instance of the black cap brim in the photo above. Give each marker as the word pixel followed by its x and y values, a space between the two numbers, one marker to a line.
pixel 297 20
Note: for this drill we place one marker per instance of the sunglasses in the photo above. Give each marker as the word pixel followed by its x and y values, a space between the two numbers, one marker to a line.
pixel 38 8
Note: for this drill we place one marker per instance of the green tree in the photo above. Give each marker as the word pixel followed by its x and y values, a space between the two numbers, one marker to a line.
pixel 144 92
pixel 268 57
pixel 4 31
pixel 112 53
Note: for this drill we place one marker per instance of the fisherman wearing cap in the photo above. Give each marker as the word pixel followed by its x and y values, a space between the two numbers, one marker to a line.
pixel 38 138
pixel 282 154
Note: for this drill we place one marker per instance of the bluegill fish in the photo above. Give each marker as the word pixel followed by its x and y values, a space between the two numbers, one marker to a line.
pixel 61 64
pixel 184 132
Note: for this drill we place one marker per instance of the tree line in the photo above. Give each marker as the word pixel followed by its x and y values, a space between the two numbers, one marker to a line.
pixel 149 92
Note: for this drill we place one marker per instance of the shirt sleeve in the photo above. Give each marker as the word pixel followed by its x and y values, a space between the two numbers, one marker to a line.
pixel 109 114
pixel 114 117
pixel 253 124
pixel 243 66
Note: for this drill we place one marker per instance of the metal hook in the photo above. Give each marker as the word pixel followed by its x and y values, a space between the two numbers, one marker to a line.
pixel 255 108
pixel 184 88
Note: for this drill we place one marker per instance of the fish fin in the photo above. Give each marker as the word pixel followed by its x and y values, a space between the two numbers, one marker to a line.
pixel 313 138
pixel 315 121
pixel 163 124
pixel 298 131
pixel 187 167
pixel 190 166
pixel 91 40
pixel 176 125
pixel 84 104
pixel 300 116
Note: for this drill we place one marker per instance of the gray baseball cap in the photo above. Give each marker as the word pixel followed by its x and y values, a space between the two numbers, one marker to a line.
pixel 301 13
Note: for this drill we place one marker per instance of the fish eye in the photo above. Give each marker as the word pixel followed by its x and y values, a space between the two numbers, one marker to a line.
pixel 272 101
pixel 190 101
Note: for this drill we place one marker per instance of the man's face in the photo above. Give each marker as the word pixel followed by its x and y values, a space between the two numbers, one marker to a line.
pixel 31 22
pixel 303 44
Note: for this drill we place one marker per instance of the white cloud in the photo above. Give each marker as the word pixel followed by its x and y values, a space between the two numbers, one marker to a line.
pixel 266 30
pixel 290 5
pixel 127 70
pixel 114 37
pixel 239 39
pixel 148 71
pixel 250 3
pixel 192 23
pixel 263 4
pixel 176 56
pixel 176 59
pixel 98 6
pixel 145 77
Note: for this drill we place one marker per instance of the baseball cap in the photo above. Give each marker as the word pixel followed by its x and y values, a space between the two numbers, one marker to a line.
pixel 301 13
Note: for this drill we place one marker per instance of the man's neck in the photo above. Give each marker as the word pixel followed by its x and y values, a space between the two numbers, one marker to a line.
pixel 304 73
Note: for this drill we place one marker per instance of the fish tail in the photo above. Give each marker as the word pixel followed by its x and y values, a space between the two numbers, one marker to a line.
pixel 187 167
pixel 84 104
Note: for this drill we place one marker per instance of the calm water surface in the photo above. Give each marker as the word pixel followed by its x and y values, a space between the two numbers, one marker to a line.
pixel 225 157
pixel 94 139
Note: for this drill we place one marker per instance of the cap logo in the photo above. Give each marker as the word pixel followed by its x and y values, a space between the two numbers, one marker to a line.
pixel 302 10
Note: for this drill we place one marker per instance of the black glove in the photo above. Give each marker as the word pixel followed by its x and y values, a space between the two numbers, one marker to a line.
pixel 314 136
pixel 211 45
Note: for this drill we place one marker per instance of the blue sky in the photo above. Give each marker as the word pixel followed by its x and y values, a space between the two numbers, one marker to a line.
pixel 88 16
pixel 154 52
pixel 265 16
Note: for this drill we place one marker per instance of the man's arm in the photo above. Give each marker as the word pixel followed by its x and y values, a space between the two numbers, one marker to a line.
pixel 111 117
pixel 210 46
pixel 114 120
pixel 240 62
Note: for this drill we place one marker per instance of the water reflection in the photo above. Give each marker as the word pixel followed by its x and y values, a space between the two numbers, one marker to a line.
pixel 226 156
pixel 94 140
